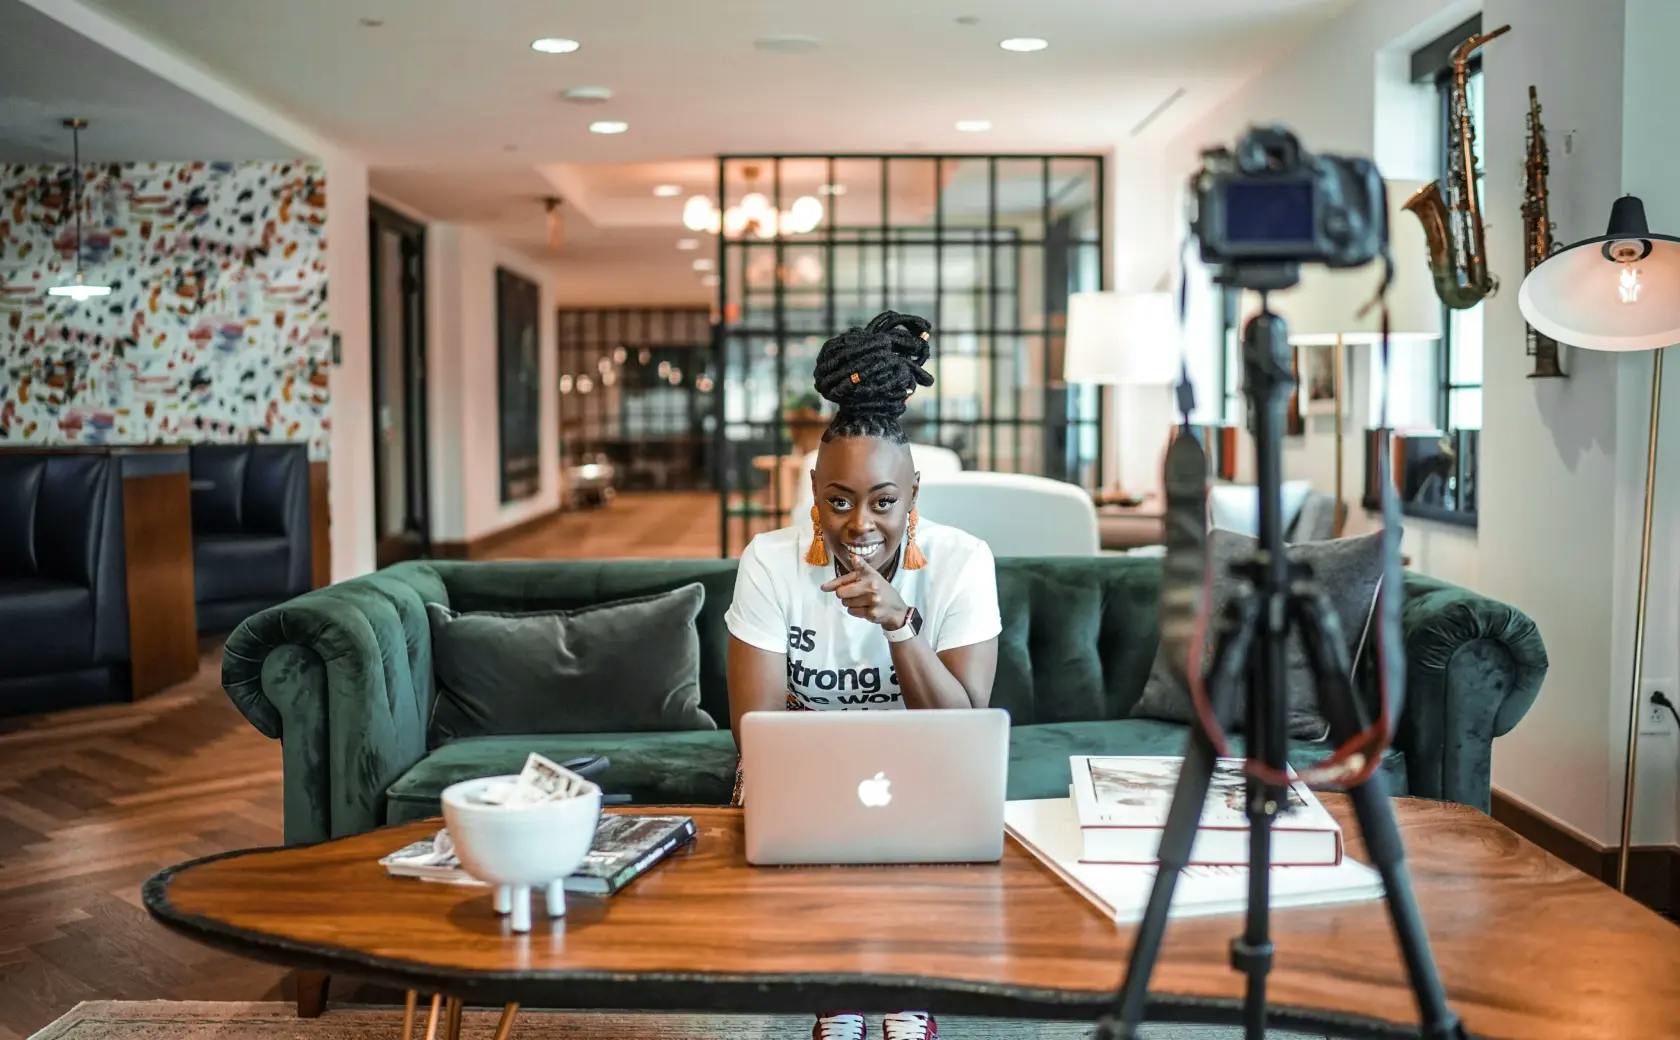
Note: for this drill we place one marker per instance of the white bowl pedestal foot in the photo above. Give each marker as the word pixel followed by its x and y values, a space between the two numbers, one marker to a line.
pixel 515 900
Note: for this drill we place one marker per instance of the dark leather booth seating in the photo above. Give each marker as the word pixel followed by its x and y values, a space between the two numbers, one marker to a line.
pixel 63 590
pixel 250 517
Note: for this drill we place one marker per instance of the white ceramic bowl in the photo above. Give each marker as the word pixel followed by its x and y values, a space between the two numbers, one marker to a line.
pixel 517 848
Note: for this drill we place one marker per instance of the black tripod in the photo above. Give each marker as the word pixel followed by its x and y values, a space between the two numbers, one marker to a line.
pixel 1249 652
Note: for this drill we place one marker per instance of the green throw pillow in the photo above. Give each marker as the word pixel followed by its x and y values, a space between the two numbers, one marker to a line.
pixel 1349 569
pixel 629 665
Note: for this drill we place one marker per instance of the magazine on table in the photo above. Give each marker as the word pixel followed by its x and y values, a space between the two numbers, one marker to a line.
pixel 625 847
pixel 1048 828
pixel 1122 804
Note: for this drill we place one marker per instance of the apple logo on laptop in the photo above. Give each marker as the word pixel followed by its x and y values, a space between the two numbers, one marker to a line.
pixel 875 791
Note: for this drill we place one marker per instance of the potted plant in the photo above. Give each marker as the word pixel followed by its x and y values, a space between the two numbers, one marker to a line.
pixel 802 412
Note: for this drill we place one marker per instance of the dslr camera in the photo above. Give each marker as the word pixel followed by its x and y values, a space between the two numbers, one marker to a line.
pixel 1268 206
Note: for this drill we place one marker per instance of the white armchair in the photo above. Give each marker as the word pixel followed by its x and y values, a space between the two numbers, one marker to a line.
pixel 1014 513
pixel 930 460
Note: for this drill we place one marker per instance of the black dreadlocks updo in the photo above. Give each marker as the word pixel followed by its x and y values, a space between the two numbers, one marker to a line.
pixel 870 372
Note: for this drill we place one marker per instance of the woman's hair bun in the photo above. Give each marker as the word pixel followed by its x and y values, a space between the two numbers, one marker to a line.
pixel 869 372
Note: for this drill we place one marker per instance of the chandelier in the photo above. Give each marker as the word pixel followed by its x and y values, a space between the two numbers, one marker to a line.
pixel 754 215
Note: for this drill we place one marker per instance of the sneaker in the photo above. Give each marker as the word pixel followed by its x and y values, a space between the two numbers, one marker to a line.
pixel 840 1025
pixel 909 1025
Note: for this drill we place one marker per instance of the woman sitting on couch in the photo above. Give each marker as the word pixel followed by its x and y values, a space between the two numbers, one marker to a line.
pixel 873 607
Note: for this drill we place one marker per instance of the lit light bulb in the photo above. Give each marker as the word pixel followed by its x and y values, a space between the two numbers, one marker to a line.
pixel 806 214
pixel 1629 284
pixel 697 213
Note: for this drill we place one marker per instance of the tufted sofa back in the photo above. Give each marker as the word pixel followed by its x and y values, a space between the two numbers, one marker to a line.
pixel 55 511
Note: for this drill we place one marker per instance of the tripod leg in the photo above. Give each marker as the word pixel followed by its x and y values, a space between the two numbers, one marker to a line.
pixel 1182 818
pixel 1321 634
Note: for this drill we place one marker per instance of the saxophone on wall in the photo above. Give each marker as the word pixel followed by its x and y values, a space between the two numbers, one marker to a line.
pixel 1451 212
pixel 1537 232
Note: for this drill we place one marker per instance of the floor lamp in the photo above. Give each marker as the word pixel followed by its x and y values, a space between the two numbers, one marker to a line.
pixel 1619 291
pixel 1122 339
pixel 1324 309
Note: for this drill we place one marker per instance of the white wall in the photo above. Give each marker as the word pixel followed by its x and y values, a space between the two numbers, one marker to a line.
pixel 349 303
pixel 461 284
pixel 1562 459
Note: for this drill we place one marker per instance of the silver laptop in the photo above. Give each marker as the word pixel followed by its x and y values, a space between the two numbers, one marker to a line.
pixel 874 786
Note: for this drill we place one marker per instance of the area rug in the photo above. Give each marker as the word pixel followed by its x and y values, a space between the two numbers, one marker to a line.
pixel 209 1020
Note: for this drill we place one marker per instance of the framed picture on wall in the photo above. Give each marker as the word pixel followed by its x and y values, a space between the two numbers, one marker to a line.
pixel 1318 377
pixel 519 372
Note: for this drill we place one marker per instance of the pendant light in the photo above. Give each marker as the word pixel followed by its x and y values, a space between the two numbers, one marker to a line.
pixel 78 290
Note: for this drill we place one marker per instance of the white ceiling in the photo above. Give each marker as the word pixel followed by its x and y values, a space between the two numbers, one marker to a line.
pixel 461 120
pixel 49 72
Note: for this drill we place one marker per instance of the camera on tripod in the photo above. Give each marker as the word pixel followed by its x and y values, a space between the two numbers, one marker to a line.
pixel 1269 206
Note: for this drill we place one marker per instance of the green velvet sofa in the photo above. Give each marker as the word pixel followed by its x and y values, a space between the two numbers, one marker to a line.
pixel 342 676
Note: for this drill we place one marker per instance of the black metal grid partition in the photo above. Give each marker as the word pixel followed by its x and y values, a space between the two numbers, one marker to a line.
pixel 634 385
pixel 987 247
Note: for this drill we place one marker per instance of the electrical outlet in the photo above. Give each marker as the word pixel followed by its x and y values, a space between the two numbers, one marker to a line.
pixel 1654 719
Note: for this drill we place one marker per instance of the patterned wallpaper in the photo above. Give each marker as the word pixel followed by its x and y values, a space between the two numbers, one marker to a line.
pixel 216 326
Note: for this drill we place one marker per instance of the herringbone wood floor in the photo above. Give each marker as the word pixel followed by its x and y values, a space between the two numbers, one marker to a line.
pixel 94 801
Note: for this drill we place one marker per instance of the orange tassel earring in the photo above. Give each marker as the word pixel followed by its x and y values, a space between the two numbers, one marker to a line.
pixel 817 554
pixel 913 558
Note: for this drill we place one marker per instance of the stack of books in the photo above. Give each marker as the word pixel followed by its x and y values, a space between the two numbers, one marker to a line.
pixel 1103 839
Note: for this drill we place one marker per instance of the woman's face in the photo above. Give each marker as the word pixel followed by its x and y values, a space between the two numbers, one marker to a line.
pixel 864 488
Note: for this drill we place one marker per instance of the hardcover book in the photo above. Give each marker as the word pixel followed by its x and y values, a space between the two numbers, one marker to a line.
pixel 1049 829
pixel 1122 807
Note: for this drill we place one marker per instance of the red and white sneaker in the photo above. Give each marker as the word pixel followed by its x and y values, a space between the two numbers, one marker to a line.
pixel 840 1025
pixel 909 1025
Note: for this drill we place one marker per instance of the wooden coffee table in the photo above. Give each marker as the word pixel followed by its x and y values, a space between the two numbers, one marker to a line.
pixel 1529 947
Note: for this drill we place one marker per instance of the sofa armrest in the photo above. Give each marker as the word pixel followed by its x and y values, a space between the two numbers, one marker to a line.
pixel 1473 667
pixel 342 676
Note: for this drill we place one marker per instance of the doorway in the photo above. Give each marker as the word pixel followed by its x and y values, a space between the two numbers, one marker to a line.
pixel 396 264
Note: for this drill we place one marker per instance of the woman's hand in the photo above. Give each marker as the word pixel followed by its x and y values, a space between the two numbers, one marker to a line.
pixel 869 596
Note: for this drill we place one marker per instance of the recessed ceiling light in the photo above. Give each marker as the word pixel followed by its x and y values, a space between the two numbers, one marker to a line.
pixel 608 126
pixel 974 126
pixel 667 191
pixel 588 95
pixel 968 19
pixel 709 280
pixel 554 45
pixel 787 44
pixel 370 23
pixel 688 243
pixel 831 189
pixel 702 264
pixel 1024 44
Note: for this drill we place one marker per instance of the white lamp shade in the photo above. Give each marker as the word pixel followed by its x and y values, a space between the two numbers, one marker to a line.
pixel 1326 303
pixel 1581 297
pixel 1121 339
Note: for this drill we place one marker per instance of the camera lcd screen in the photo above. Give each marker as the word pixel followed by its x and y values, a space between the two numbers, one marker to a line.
pixel 1269 212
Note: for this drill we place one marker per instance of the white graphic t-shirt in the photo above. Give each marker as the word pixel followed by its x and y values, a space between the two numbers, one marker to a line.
pixel 839 662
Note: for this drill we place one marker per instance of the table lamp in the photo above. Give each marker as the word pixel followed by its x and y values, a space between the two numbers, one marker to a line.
pixel 1619 291
pixel 1121 339
pixel 1324 308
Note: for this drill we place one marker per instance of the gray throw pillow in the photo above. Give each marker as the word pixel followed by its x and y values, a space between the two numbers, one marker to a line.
pixel 1348 569
pixel 629 665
